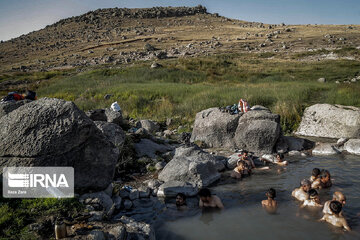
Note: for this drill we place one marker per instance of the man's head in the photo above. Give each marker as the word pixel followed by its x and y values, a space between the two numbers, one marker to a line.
pixel 180 199
pixel 338 196
pixel 335 207
pixel 325 176
pixel 305 185
pixel 315 172
pixel 271 193
pixel 280 157
pixel 205 195
pixel 313 194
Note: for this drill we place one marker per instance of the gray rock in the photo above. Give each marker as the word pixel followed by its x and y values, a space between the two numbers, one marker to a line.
pixel 117 201
pixel 117 232
pixel 123 193
pixel 96 235
pixel 294 153
pixel 191 164
pixel 330 121
pixel 148 148
pixel 341 141
pixel 325 149
pixel 144 193
pixel 289 143
pixel 53 132
pixel 112 132
pixel 172 188
pixel 321 80
pixel 101 197
pixel 96 216
pixel 153 183
pixel 127 204
pixel 215 128
pixel 7 107
pixel 97 115
pixel 113 116
pixel 259 108
pixel 109 190
pixel 258 131
pixel 155 65
pixel 134 194
pixel 232 161
pixel 138 230
pixel 353 146
pixel 160 165
pixel 149 125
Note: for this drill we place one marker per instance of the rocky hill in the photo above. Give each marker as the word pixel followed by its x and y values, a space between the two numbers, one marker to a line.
pixel 120 36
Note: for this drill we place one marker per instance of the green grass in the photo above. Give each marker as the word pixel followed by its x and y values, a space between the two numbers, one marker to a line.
pixel 17 214
pixel 186 86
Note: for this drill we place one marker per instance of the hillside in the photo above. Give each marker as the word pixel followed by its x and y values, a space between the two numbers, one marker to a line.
pixel 120 36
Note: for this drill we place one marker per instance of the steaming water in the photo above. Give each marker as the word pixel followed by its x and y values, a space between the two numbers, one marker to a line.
pixel 245 218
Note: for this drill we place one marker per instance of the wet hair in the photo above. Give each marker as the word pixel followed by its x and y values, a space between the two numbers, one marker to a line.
pixel 324 173
pixel 315 172
pixel 305 182
pixel 313 193
pixel 244 151
pixel 181 195
pixel 281 156
pixel 335 207
pixel 271 193
pixel 204 192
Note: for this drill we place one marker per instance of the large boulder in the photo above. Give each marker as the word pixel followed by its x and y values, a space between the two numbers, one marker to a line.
pixel 353 146
pixel 193 165
pixel 149 148
pixel 9 106
pixel 330 121
pixel 112 132
pixel 215 128
pixel 172 188
pixel 53 132
pixel 256 130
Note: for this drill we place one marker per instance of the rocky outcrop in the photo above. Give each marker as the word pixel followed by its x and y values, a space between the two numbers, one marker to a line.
pixel 353 146
pixel 256 130
pixel 192 165
pixel 53 132
pixel 112 132
pixel 7 107
pixel 330 121
pixel 172 188
pixel 149 148
pixel 215 128
pixel 325 149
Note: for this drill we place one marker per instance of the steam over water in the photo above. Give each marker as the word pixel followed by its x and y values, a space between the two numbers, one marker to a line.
pixel 244 218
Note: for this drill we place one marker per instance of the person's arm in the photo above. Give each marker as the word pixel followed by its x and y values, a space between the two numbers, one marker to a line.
pixel 303 205
pixel 315 184
pixel 201 204
pixel 263 203
pixel 284 163
pixel 345 225
pixel 218 203
pixel 323 218
pixel 293 192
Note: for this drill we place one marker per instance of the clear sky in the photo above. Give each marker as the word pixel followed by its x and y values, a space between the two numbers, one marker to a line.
pixel 23 16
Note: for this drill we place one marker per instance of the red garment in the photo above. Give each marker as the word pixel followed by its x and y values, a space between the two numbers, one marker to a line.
pixel 243 106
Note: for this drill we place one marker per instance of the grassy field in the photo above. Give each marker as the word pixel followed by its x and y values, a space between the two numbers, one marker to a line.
pixel 184 87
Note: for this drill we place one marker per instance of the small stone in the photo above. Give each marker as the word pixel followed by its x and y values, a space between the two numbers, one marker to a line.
pixel 134 194
pixel 160 165
pixel 127 204
pixel 107 96
pixel 96 235
pixel 96 216
pixel 123 193
pixel 145 193
pixel 117 201
pixel 321 80
pixel 155 65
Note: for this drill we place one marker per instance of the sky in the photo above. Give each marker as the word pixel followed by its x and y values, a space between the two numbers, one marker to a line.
pixel 19 17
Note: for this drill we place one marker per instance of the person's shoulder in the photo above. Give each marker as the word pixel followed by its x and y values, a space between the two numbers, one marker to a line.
pixel 264 202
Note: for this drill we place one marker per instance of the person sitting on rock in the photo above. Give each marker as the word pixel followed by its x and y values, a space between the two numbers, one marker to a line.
pixel 315 175
pixel 337 196
pixel 302 193
pixel 180 201
pixel 335 218
pixel 324 182
pixel 313 201
pixel 242 169
pixel 245 157
pixel 278 159
pixel 270 204
pixel 209 201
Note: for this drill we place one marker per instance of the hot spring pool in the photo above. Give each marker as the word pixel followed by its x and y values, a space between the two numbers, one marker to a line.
pixel 244 218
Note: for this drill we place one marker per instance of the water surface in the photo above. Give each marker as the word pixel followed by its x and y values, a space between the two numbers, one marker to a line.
pixel 245 218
